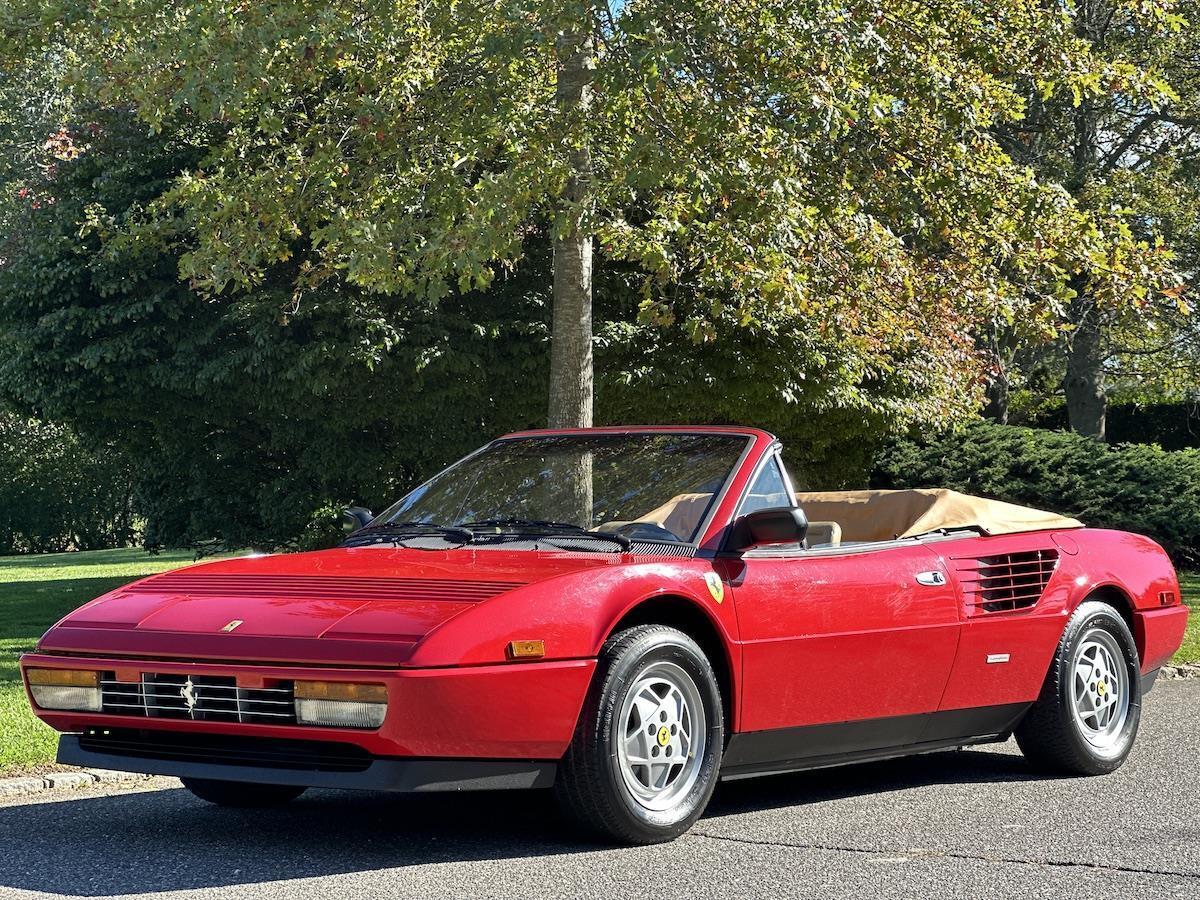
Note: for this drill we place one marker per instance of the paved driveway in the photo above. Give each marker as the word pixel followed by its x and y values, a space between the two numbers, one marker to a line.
pixel 972 824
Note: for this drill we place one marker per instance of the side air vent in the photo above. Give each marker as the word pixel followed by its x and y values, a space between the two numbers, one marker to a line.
pixel 321 587
pixel 1004 583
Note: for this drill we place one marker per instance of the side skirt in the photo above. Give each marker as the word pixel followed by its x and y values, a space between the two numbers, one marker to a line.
pixel 819 746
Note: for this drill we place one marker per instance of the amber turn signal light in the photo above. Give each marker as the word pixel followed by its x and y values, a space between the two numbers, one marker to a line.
pixel 341 690
pixel 526 649
pixel 63 677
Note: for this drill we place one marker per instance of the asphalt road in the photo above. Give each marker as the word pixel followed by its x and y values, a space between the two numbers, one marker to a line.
pixel 971 824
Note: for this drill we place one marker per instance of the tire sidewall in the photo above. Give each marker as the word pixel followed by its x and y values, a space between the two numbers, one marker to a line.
pixel 1089 616
pixel 673 647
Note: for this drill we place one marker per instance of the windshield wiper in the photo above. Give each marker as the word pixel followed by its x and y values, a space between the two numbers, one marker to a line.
pixel 548 528
pixel 385 530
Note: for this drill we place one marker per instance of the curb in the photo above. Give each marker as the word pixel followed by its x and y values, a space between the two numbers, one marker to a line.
pixel 1183 670
pixel 57 781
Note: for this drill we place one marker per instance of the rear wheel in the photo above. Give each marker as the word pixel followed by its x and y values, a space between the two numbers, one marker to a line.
pixel 644 760
pixel 1086 719
pixel 240 793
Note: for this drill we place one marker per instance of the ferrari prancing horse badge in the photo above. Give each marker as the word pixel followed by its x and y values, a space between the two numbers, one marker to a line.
pixel 715 586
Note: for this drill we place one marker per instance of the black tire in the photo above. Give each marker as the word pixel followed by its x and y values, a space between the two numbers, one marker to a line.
pixel 1051 735
pixel 241 794
pixel 590 786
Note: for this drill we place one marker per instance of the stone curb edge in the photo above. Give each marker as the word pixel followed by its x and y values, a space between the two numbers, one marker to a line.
pixel 76 778
pixel 1183 670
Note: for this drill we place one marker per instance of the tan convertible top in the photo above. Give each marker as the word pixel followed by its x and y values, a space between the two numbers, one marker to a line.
pixel 883 515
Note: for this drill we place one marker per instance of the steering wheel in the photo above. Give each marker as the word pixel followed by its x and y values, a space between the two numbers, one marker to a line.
pixel 647 531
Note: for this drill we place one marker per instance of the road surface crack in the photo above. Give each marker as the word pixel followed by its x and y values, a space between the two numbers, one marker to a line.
pixel 922 853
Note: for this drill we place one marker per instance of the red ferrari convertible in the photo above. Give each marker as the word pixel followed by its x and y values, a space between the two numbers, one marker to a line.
pixel 626 615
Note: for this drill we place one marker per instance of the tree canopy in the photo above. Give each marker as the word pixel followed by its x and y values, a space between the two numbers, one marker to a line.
pixel 298 232
pixel 1129 159
pixel 830 159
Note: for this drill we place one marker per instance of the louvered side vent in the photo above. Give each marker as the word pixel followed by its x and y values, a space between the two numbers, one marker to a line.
pixel 321 587
pixel 1005 583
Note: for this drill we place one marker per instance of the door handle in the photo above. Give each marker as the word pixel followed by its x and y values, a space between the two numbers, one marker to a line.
pixel 931 579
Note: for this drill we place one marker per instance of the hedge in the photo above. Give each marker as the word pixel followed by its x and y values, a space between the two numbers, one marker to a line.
pixel 1132 487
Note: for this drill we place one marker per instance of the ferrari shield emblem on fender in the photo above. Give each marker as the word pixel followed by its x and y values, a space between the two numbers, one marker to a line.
pixel 715 586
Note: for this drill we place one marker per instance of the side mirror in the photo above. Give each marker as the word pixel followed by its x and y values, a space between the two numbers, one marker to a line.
pixel 356 517
pixel 778 525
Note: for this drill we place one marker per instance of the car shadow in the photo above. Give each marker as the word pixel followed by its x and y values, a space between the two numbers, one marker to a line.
pixel 823 785
pixel 166 840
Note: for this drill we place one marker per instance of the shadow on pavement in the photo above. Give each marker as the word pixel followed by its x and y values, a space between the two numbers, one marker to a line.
pixel 167 840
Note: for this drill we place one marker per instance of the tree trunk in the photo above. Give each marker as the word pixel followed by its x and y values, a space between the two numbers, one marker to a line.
pixel 997 399
pixel 571 334
pixel 1087 402
pixel 1001 345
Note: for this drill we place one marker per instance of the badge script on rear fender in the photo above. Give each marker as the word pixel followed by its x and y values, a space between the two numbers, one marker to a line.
pixel 232 625
pixel 715 586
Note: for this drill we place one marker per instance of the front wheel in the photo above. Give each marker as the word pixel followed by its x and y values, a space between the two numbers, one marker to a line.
pixel 1087 716
pixel 241 794
pixel 647 750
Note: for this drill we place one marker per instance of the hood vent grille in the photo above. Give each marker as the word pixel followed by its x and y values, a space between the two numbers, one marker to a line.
pixel 321 587
pixel 1007 582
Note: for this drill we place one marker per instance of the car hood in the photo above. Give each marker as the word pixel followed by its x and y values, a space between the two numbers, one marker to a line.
pixel 352 606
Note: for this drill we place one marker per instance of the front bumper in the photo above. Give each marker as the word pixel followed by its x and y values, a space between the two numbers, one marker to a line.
pixel 513 711
pixel 398 775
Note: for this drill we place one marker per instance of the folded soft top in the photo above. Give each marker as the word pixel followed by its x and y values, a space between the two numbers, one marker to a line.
pixel 884 515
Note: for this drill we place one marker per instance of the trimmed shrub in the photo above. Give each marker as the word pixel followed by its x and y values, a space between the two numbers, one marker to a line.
pixel 56 495
pixel 1132 487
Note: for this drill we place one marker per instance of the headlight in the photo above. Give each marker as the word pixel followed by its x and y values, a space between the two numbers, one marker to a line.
pixel 340 704
pixel 65 689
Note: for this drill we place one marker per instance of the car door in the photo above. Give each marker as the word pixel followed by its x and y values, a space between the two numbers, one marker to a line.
pixel 842 634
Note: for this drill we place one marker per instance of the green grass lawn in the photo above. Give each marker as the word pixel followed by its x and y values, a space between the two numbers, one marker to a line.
pixel 1190 651
pixel 36 591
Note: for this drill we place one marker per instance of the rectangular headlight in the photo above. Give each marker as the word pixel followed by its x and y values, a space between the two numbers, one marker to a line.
pixel 340 704
pixel 74 689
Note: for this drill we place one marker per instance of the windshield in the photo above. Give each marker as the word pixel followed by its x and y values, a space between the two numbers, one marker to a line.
pixel 640 486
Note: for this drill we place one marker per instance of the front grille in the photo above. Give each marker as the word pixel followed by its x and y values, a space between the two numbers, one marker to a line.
pixel 1007 582
pixel 203 698
pixel 320 756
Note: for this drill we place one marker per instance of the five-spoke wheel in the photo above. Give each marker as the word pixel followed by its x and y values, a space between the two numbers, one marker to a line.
pixel 1100 694
pixel 664 736
pixel 1086 717
pixel 647 749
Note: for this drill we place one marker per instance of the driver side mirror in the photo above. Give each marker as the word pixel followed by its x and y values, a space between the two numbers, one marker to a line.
pixel 777 525
pixel 356 517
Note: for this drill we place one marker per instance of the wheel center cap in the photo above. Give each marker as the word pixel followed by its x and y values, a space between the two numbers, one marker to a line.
pixel 664 736
pixel 1101 688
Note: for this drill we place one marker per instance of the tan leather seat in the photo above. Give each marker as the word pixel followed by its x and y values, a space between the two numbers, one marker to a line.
pixel 824 534
pixel 680 515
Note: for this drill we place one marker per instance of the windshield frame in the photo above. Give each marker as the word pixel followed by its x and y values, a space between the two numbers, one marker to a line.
pixel 719 496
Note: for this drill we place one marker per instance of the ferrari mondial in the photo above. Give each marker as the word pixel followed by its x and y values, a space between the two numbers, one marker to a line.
pixel 625 615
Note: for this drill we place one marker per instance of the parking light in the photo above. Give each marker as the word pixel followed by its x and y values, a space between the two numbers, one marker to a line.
pixel 74 689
